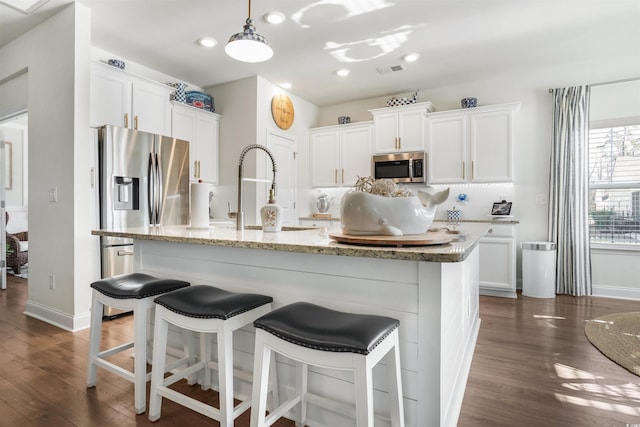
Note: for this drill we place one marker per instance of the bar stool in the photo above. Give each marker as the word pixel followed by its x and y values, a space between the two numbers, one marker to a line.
pixel 314 335
pixel 136 292
pixel 207 310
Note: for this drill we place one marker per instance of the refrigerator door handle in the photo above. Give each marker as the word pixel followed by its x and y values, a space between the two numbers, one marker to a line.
pixel 159 192
pixel 151 190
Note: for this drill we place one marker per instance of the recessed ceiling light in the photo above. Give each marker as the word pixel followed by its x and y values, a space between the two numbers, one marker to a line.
pixel 410 57
pixel 274 17
pixel 207 42
pixel 343 72
pixel 285 85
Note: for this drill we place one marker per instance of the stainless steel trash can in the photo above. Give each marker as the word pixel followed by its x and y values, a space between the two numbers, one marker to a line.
pixel 539 269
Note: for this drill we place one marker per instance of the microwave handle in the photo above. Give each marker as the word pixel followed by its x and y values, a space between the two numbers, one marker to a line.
pixel 411 169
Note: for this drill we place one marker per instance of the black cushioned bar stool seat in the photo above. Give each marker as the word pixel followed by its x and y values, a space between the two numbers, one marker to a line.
pixel 206 310
pixel 136 285
pixel 133 291
pixel 323 329
pixel 315 335
pixel 209 302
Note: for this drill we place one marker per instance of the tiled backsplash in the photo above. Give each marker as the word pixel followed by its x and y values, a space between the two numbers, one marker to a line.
pixel 477 206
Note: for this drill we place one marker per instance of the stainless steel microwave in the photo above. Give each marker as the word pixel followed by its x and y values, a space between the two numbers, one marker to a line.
pixel 401 167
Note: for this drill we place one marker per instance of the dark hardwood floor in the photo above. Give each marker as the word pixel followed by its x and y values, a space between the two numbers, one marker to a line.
pixel 532 367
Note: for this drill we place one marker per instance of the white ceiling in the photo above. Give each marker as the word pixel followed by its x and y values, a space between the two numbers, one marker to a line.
pixel 458 40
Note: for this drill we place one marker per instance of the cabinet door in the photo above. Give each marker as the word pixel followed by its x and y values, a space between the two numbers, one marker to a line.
pixel 206 146
pixel 497 264
pixel 201 129
pixel 151 108
pixel 355 155
pixel 411 130
pixel 324 153
pixel 446 149
pixel 183 126
pixel 491 146
pixel 386 132
pixel 110 97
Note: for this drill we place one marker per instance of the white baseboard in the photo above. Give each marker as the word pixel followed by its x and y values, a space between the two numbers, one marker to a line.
pixel 615 292
pixel 56 317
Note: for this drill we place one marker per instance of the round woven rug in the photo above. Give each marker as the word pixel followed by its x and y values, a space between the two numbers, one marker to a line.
pixel 617 336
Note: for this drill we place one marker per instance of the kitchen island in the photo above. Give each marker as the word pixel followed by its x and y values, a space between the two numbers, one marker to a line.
pixel 432 290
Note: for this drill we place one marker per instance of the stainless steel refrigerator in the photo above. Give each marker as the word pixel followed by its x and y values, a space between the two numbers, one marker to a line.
pixel 143 182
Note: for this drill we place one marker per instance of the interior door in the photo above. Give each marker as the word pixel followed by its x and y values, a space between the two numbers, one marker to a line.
pixel 284 148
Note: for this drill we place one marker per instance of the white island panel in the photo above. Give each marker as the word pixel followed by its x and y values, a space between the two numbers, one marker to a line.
pixel 432 291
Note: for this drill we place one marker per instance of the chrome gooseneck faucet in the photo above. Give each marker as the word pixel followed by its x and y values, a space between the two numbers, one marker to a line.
pixel 240 214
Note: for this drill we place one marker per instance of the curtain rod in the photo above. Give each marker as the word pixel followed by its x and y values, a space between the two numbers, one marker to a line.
pixel 631 79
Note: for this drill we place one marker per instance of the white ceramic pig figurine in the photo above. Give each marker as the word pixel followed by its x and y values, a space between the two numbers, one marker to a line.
pixel 365 214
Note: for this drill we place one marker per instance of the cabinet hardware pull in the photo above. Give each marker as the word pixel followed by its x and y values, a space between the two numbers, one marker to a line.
pixel 126 120
pixel 399 142
pixel 336 176
pixel 463 174
pixel 473 169
pixel 135 122
pixel 343 175
pixel 196 169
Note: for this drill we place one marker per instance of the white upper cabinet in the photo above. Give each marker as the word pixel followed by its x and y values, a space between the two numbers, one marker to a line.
pixel 471 145
pixel 340 154
pixel 201 128
pixel 122 99
pixel 398 129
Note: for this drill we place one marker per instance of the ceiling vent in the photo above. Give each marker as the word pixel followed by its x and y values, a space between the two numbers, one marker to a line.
pixel 392 69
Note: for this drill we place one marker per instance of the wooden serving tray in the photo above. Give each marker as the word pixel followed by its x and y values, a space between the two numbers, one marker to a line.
pixel 425 239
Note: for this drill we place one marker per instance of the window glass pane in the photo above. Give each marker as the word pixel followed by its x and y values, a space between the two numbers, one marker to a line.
pixel 614 185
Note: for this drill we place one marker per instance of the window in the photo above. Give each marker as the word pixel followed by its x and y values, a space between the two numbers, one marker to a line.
pixel 614 185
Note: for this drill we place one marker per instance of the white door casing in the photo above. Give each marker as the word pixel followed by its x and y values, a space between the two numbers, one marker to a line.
pixel 284 148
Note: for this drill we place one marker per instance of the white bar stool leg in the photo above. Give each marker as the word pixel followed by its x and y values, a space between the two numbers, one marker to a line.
pixel 160 337
pixel 94 339
pixel 302 374
pixel 225 376
pixel 261 362
pixel 364 392
pixel 140 355
pixel 395 383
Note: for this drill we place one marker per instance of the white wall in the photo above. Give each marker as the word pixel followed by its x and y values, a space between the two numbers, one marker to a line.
pixel 56 54
pixel 245 106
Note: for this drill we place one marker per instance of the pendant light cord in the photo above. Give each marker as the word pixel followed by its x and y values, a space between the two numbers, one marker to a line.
pixel 249 9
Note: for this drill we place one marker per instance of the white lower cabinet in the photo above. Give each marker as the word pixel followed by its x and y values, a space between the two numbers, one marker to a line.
pixel 498 261
pixel 201 129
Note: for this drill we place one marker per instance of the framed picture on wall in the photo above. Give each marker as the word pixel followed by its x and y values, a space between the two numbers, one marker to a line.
pixel 501 208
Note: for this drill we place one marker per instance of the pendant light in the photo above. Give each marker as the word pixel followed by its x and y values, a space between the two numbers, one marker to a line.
pixel 249 46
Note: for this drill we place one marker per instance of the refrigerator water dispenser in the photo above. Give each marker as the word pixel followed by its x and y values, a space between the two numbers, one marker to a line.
pixel 127 193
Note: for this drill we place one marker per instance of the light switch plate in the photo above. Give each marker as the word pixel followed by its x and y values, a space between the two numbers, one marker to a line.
pixel 53 194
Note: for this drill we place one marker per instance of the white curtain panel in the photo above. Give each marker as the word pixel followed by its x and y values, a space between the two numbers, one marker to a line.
pixel 569 189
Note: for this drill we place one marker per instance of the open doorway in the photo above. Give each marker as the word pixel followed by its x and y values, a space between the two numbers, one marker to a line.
pixel 14 215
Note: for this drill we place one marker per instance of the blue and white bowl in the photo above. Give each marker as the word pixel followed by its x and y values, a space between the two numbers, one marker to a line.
pixel 469 102
pixel 116 63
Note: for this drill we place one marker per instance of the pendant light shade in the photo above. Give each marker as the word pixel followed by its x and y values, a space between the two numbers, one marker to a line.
pixel 249 46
